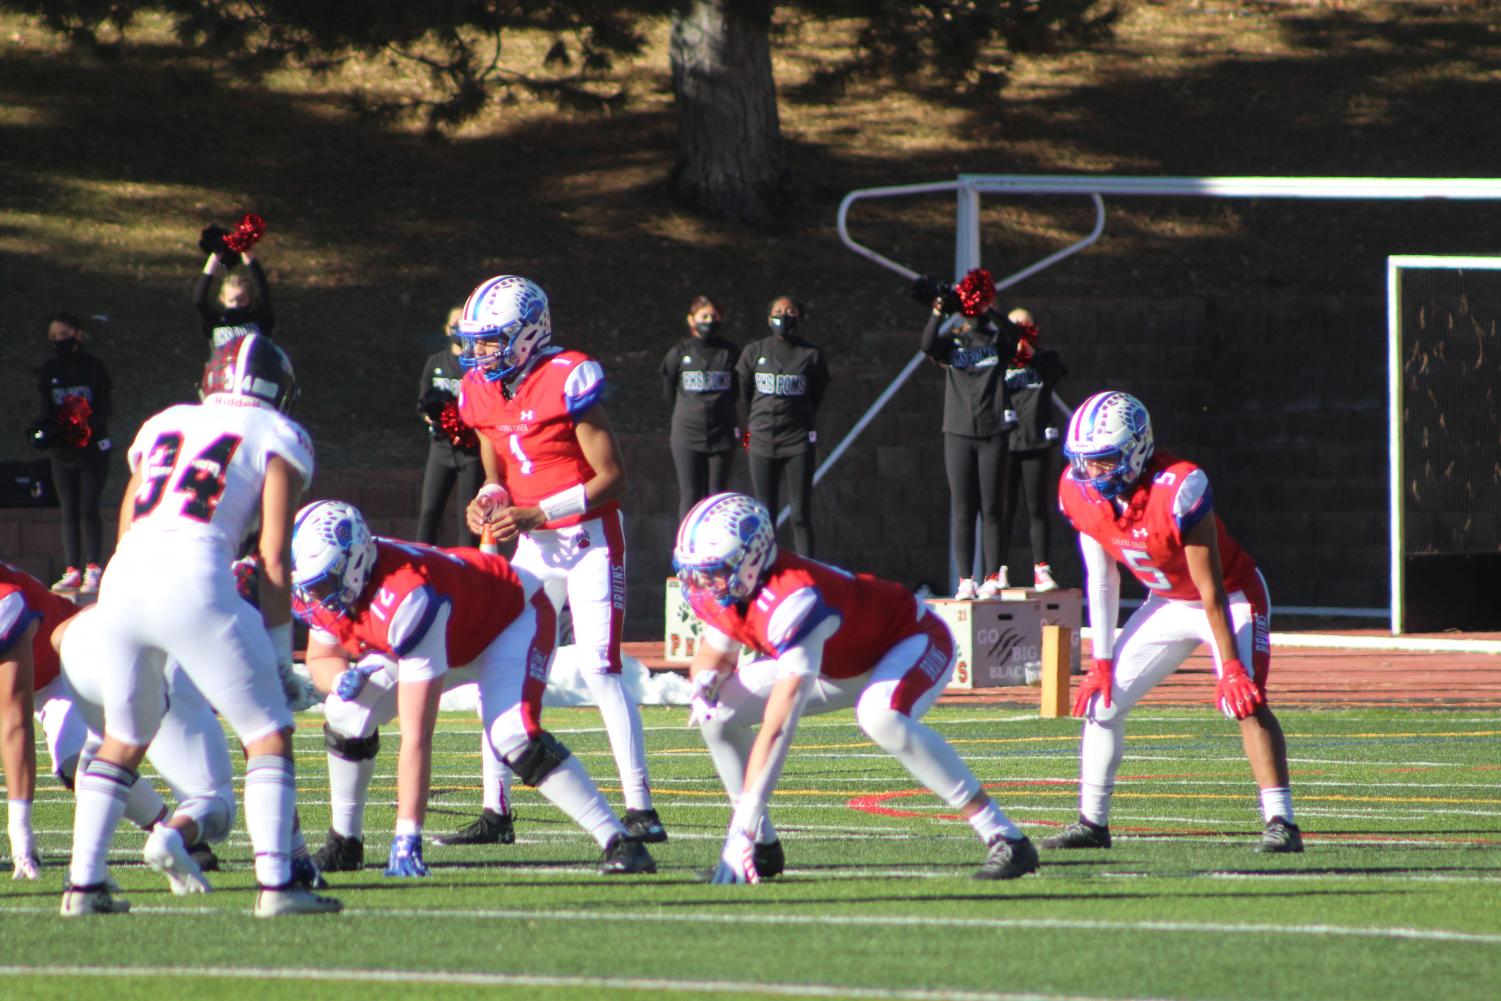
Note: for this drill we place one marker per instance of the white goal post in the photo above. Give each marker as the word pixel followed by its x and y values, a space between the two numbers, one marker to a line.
pixel 968 190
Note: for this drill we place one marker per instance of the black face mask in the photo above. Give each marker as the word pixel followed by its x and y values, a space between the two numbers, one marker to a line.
pixel 706 328
pixel 783 326
pixel 65 346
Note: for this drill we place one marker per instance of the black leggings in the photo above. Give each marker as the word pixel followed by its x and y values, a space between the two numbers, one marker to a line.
pixel 699 475
pixel 975 467
pixel 1034 470
pixel 768 474
pixel 446 466
pixel 79 481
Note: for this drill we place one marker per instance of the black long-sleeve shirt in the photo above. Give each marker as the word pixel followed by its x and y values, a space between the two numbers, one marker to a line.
pixel 974 358
pixel 782 382
pixel 1029 391
pixel 441 375
pixel 222 325
pixel 699 380
pixel 77 374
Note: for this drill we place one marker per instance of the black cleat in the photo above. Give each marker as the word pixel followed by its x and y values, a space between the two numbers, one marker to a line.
pixel 768 859
pixel 1008 860
pixel 490 828
pixel 644 825
pixel 306 875
pixel 1281 836
pixel 1080 834
pixel 624 855
pixel 340 854
pixel 204 856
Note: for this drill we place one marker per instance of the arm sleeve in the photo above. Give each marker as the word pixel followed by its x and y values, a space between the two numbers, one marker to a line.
pixel 418 635
pixel 1103 588
pixel 670 376
pixel 1193 501
pixel 818 379
pixel 264 315
pixel 930 344
pixel 805 657
pixel 796 616
pixel 583 387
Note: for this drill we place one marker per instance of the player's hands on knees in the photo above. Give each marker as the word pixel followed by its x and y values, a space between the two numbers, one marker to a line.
pixel 1236 694
pixel 1098 681
pixel 703 698
pixel 736 861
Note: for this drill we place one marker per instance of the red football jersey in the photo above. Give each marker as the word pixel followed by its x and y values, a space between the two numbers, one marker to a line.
pixel 875 614
pixel 1170 498
pixel 41 604
pixel 533 429
pixel 484 594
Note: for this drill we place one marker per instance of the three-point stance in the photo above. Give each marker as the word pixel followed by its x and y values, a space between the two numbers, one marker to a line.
pixel 828 640
pixel 544 436
pixel 1154 513
pixel 433 611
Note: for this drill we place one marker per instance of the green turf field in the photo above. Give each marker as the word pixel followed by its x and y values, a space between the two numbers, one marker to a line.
pixel 1397 897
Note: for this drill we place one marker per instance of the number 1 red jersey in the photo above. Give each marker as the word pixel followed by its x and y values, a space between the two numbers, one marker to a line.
pixel 532 430
pixel 1169 499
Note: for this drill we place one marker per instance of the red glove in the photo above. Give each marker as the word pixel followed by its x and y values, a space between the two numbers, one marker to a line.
pixel 1097 682
pixel 1236 694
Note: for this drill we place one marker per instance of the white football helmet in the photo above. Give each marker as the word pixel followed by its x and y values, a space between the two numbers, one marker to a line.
pixel 724 545
pixel 333 555
pixel 1109 427
pixel 508 309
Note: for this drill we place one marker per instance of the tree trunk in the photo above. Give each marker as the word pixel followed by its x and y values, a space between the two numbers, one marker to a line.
pixel 731 163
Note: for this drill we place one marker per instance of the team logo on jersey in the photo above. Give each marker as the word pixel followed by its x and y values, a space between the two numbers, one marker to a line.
pixel 1139 533
pixel 528 415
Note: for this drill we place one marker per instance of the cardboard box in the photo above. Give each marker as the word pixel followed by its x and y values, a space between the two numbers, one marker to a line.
pixel 683 627
pixel 999 642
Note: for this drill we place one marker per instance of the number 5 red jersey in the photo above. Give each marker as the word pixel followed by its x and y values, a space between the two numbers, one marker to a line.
pixel 1170 497
pixel 532 428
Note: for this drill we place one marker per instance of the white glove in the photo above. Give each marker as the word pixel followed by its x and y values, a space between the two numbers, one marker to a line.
pixel 737 862
pixel 28 866
pixel 704 697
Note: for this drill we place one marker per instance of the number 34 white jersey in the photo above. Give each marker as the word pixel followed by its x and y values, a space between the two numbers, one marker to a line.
pixel 203 468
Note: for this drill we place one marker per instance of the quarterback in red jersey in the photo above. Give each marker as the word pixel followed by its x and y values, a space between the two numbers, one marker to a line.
pixel 434 612
pixel 29 677
pixel 1154 513
pixel 826 639
pixel 544 436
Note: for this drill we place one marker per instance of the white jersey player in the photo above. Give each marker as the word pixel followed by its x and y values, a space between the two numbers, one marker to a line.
pixel 203 478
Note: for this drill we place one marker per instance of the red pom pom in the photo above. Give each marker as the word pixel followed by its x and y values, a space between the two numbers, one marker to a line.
pixel 73 422
pixel 1026 345
pixel 460 435
pixel 247 231
pixel 976 291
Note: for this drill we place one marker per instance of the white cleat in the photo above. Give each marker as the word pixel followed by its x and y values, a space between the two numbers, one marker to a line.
pixel 82 900
pixel 292 899
pixel 166 853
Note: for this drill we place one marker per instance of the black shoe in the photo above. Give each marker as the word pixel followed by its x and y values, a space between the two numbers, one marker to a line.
pixel 768 859
pixel 1008 860
pixel 644 825
pixel 305 874
pixel 1281 835
pixel 340 854
pixel 1080 834
pixel 204 856
pixel 624 855
pixel 490 828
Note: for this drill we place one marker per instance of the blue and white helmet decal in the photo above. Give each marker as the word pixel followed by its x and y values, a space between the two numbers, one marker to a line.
pixel 724 545
pixel 1110 427
pixel 511 310
pixel 333 555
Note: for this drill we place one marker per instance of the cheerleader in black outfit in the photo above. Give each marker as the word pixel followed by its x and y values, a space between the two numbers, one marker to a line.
pixel 782 381
pixel 1031 376
pixel 698 379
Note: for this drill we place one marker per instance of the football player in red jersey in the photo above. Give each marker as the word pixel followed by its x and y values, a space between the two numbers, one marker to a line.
pixel 29 676
pixel 435 611
pixel 1154 512
pixel 827 639
pixel 544 436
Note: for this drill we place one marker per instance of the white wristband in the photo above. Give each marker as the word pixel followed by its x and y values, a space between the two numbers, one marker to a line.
pixel 574 500
pixel 18 814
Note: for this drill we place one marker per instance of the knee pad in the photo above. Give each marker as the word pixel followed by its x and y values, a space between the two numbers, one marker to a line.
pixel 535 760
pixel 214 815
pixel 351 748
pixel 890 729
